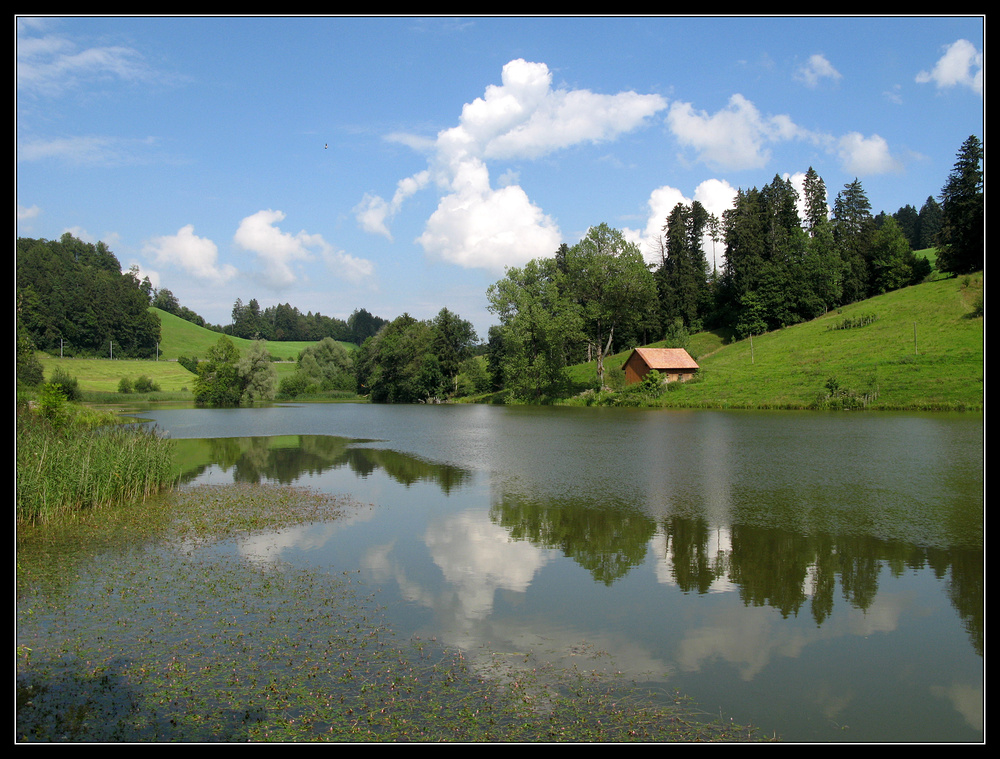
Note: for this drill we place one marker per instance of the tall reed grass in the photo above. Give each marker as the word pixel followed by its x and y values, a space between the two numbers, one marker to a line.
pixel 61 471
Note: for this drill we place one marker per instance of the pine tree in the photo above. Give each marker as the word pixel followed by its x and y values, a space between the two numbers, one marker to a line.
pixel 929 223
pixel 961 239
pixel 853 229
pixel 814 191
pixel 683 275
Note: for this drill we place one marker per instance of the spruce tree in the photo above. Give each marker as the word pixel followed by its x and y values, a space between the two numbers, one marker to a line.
pixel 961 239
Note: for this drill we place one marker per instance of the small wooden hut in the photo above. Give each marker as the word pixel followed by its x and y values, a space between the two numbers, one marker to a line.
pixel 675 364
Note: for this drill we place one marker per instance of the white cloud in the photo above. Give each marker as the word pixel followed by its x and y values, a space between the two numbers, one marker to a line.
pixel 960 65
pixel 51 65
pixel 25 213
pixel 373 213
pixel 864 156
pixel 735 137
pixel 479 227
pixel 476 225
pixel 279 251
pixel 87 150
pixel 815 69
pixel 195 255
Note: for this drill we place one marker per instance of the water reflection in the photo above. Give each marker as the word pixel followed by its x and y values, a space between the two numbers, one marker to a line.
pixel 286 459
pixel 793 571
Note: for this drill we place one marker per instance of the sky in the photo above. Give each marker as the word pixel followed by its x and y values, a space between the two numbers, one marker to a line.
pixel 400 164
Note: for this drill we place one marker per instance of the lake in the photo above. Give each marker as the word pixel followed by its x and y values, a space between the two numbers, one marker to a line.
pixel 819 576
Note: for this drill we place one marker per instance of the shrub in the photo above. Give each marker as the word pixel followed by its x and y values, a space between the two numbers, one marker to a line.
pixel 144 384
pixel 69 386
pixel 124 386
pixel 52 404
pixel 293 385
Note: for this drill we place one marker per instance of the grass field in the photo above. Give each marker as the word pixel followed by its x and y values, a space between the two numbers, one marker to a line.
pixel 182 338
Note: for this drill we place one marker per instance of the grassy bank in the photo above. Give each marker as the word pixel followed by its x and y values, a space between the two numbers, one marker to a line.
pixel 75 460
pixel 182 338
pixel 919 348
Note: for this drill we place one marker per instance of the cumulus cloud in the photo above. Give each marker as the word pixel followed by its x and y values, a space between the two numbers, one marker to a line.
pixel 477 226
pixel 961 65
pixel 524 117
pixel 373 213
pixel 278 251
pixel 736 137
pixel 815 69
pixel 24 213
pixel 862 156
pixel 198 256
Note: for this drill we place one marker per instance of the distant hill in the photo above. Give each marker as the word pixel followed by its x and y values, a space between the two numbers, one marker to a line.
pixel 182 338
pixel 923 347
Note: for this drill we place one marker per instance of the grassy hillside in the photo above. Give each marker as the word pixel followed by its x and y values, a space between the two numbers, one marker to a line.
pixel 924 349
pixel 182 338
pixel 177 338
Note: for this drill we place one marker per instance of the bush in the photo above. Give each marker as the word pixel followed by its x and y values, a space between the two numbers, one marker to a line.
pixel 52 404
pixel 69 387
pixel 124 386
pixel 144 384
pixel 293 385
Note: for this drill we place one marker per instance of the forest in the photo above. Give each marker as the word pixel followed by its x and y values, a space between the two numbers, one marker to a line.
pixel 74 299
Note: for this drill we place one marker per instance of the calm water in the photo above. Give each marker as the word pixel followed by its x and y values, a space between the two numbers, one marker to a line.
pixel 819 576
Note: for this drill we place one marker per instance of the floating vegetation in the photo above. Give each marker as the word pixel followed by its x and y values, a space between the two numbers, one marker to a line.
pixel 149 626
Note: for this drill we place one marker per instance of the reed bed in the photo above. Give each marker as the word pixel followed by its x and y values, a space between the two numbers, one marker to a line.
pixel 63 471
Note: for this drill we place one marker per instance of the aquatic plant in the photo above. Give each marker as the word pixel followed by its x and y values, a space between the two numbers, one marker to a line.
pixel 147 626
pixel 64 467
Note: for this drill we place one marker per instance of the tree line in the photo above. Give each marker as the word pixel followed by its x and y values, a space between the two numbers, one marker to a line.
pixel 584 302
pixel 281 323
pixel 408 360
pixel 74 299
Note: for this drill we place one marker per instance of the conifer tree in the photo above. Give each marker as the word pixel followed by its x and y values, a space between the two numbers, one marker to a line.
pixel 961 239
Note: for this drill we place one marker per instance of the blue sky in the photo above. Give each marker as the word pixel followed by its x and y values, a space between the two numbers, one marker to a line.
pixel 398 164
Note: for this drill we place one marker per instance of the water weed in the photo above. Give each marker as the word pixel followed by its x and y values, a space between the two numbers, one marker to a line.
pixel 173 635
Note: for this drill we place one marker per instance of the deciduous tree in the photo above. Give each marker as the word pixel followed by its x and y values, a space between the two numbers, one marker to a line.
pixel 539 324
pixel 608 277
